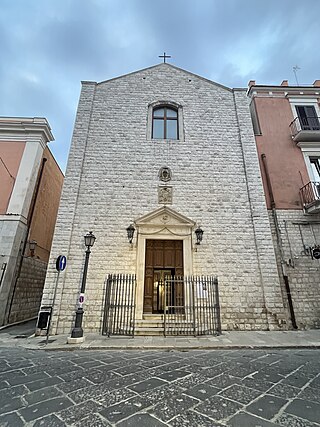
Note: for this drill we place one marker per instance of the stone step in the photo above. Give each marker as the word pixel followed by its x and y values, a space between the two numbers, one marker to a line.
pixel 158 329
pixel 153 316
pixel 148 331
pixel 161 316
pixel 160 332
pixel 160 323
pixel 153 324
pixel 149 323
pixel 158 317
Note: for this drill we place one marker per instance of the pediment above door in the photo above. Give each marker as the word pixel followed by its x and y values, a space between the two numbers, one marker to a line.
pixel 164 217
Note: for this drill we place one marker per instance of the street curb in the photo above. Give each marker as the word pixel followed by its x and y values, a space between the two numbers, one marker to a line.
pixel 174 348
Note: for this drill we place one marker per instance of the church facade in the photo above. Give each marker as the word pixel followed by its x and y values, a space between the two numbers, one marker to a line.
pixel 168 153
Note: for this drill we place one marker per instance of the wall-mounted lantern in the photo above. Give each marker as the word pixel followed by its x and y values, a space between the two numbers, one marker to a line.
pixel 32 247
pixel 315 252
pixel 130 232
pixel 199 235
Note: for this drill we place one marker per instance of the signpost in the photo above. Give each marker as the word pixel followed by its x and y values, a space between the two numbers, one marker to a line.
pixel 61 264
pixel 81 299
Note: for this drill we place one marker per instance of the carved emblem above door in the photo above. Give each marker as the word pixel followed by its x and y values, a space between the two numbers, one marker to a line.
pixel 165 195
pixel 165 174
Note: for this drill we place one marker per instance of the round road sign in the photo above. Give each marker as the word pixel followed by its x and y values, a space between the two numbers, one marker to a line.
pixel 61 263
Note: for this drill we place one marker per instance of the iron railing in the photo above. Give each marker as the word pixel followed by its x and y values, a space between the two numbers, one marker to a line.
pixel 304 123
pixel 310 193
pixel 191 306
pixel 187 305
pixel 119 305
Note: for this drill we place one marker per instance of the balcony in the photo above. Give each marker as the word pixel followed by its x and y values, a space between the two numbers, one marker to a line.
pixel 305 129
pixel 310 196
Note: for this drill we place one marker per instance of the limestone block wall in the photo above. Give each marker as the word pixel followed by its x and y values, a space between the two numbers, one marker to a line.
pixel 269 279
pixel 112 179
pixel 298 233
pixel 27 296
pixel 13 231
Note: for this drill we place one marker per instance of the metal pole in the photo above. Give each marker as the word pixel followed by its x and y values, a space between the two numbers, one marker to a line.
pixel 193 306
pixel 295 69
pixel 77 331
pixel 107 307
pixel 164 310
pixel 133 304
pixel 215 281
pixel 3 269
pixel 53 303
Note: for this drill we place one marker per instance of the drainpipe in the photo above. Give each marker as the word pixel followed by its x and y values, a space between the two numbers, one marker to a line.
pixel 282 259
pixel 3 270
pixel 29 222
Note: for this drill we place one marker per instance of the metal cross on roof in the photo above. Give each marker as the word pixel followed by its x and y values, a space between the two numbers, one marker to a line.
pixel 164 56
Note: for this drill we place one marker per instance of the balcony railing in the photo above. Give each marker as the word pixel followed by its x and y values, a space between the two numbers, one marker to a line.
pixel 305 129
pixel 310 196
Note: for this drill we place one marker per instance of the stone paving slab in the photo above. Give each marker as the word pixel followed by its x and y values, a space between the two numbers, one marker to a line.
pixel 103 388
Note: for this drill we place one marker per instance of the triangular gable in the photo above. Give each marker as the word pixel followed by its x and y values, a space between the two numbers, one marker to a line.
pixel 167 66
pixel 164 216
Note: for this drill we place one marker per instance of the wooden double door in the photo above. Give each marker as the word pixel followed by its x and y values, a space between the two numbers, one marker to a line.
pixel 164 258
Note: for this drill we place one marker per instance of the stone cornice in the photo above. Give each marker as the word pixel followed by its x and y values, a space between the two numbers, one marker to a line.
pixel 284 90
pixel 25 129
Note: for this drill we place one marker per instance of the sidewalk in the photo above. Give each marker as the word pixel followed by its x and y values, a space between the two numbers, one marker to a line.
pixel 228 340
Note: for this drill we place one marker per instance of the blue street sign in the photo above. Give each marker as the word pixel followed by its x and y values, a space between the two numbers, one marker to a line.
pixel 61 263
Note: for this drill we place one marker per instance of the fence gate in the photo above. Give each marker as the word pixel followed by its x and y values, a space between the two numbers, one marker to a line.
pixel 119 305
pixel 191 306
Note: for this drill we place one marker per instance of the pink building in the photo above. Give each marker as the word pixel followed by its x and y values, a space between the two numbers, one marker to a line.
pixel 30 188
pixel 286 122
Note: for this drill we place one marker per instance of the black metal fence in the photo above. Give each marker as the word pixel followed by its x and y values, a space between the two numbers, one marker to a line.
pixel 119 305
pixel 188 305
pixel 191 306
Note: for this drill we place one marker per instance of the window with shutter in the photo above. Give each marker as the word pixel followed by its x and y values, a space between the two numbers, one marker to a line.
pixel 308 117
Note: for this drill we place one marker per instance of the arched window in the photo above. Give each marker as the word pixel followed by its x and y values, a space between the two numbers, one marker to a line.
pixel 165 123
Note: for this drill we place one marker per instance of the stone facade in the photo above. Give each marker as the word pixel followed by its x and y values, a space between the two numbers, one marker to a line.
pixel 298 234
pixel 28 292
pixel 112 180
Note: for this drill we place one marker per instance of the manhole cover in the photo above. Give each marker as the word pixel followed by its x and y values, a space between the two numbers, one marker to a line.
pixel 21 336
pixel 44 342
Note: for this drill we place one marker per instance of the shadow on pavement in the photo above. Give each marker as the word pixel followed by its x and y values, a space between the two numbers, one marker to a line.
pixel 22 330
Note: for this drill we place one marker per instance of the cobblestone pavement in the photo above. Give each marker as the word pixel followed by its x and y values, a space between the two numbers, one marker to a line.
pixel 154 388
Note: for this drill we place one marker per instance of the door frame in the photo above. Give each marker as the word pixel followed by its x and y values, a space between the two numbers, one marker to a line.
pixel 162 224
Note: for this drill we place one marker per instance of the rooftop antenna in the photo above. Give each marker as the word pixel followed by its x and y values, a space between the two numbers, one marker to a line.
pixel 295 69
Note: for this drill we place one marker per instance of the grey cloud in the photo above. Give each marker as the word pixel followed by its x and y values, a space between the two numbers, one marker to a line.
pixel 48 47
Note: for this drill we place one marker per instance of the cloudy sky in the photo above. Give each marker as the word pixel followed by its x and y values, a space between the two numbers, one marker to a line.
pixel 49 46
